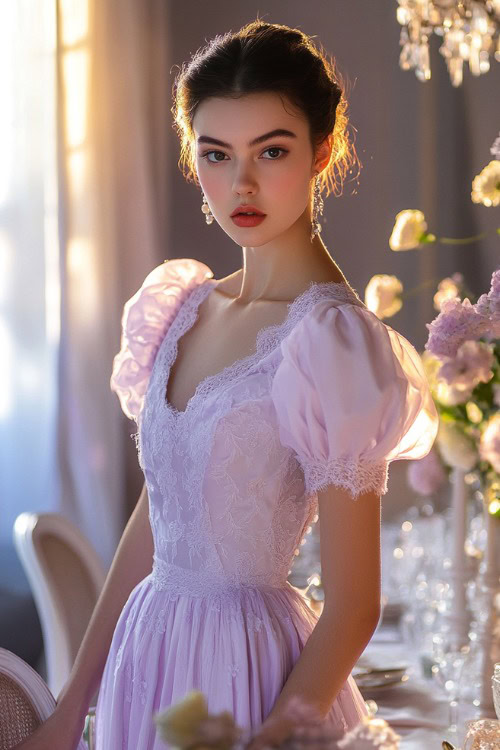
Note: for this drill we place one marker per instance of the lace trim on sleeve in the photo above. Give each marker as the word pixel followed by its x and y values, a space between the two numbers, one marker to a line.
pixel 353 474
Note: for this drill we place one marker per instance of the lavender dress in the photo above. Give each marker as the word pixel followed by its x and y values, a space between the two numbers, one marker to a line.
pixel 330 396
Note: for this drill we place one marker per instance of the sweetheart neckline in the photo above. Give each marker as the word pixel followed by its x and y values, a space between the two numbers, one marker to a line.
pixel 187 316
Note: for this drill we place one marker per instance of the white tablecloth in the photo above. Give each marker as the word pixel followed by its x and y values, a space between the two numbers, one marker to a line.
pixel 417 709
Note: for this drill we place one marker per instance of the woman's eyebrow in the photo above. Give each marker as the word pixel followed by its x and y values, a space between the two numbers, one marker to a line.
pixel 260 139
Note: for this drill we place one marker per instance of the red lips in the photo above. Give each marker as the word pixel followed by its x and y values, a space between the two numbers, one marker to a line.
pixel 245 208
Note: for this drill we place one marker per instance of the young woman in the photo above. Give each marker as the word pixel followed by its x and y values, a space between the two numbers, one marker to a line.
pixel 262 400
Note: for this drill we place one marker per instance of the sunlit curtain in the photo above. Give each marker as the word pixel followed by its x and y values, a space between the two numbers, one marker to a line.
pixel 82 221
pixel 29 270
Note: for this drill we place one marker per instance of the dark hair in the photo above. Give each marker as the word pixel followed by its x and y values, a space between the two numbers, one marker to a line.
pixel 267 57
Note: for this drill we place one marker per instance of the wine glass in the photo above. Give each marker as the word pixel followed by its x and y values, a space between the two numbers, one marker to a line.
pixel 447 670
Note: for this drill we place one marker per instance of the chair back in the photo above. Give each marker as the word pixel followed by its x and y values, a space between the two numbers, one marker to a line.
pixel 25 701
pixel 66 577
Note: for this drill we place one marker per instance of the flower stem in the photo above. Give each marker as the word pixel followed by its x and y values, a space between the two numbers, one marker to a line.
pixel 462 240
pixel 418 288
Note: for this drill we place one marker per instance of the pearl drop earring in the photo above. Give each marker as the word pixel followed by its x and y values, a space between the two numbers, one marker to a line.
pixel 206 210
pixel 318 206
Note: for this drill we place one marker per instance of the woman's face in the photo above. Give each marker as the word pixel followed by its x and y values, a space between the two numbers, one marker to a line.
pixel 273 175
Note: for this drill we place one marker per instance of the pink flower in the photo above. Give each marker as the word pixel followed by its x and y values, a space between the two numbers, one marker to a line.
pixel 488 305
pixel 461 321
pixel 471 365
pixel 426 475
pixel 457 322
pixel 218 731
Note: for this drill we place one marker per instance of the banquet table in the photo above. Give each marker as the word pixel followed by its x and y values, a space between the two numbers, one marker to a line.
pixel 416 709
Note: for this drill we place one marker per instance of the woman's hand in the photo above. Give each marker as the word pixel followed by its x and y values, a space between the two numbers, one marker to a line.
pixel 272 733
pixel 61 731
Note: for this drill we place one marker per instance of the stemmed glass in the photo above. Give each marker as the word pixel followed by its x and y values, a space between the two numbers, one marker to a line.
pixel 447 670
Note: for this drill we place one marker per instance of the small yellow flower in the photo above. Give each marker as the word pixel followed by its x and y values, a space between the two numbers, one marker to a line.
pixel 382 295
pixel 178 724
pixel 474 413
pixel 409 228
pixel 486 185
pixel 188 724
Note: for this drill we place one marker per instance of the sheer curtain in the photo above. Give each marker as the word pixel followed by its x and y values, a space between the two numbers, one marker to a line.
pixel 83 167
pixel 29 271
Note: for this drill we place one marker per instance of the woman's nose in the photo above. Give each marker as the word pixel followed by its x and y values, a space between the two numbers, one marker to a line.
pixel 244 182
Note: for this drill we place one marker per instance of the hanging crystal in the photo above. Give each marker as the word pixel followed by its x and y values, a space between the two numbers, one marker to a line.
pixel 469 29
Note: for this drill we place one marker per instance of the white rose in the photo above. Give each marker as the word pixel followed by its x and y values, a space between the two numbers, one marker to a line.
pixel 450 395
pixel 382 295
pixel 486 185
pixel 409 227
pixel 489 447
pixel 455 448
pixel 447 289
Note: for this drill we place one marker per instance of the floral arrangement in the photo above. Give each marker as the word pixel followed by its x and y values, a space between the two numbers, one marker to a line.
pixel 188 725
pixel 461 357
pixel 462 362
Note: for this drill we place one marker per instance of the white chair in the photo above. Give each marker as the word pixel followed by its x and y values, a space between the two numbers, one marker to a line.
pixel 66 578
pixel 25 701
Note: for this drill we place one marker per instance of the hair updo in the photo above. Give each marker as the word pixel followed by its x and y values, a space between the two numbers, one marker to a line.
pixel 263 57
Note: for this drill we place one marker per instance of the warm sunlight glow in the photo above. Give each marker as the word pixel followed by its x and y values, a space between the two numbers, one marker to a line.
pixel 74 15
pixel 77 174
pixel 76 76
pixel 82 266
pixel 78 251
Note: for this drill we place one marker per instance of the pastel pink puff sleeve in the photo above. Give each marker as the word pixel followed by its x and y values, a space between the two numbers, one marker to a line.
pixel 145 320
pixel 351 396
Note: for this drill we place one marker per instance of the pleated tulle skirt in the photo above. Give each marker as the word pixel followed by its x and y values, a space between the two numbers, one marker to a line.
pixel 238 647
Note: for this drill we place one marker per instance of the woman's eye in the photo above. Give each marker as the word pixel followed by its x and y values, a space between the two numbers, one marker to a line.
pixel 205 156
pixel 216 160
pixel 276 148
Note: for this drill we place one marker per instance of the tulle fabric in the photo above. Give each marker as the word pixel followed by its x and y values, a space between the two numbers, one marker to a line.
pixel 145 320
pixel 351 396
pixel 237 649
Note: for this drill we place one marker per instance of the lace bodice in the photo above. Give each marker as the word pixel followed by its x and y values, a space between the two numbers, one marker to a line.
pixel 233 479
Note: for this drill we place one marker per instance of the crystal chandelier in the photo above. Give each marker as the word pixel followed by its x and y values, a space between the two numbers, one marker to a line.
pixel 469 30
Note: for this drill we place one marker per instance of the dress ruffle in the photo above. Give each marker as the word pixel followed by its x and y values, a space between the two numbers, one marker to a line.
pixel 351 396
pixel 145 320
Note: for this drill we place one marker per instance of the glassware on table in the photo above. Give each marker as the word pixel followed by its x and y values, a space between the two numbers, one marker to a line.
pixel 495 686
pixel 447 671
pixel 481 734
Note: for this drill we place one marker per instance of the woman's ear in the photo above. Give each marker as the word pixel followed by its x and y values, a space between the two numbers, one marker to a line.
pixel 323 154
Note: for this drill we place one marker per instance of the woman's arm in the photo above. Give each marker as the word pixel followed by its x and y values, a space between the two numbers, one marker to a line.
pixel 350 574
pixel 132 562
